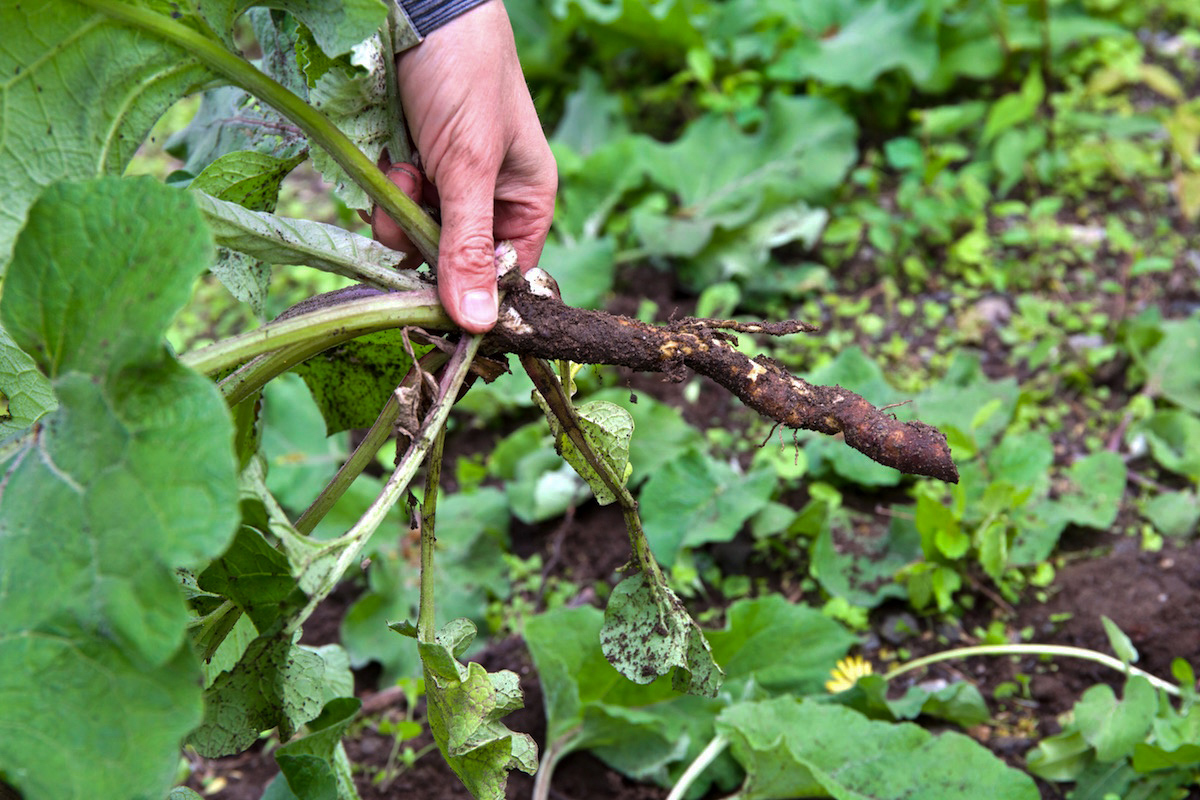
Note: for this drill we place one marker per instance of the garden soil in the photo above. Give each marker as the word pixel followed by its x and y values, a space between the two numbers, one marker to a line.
pixel 1151 596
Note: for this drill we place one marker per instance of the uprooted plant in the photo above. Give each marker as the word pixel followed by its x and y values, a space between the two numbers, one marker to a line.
pixel 120 485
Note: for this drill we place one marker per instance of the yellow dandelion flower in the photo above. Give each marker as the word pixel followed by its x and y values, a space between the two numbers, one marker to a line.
pixel 847 672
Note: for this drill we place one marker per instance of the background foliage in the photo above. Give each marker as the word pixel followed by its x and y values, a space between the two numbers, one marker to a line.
pixel 992 217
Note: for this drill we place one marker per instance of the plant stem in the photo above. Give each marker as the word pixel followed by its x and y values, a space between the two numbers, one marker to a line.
pixel 421 229
pixel 346 548
pixel 1032 649
pixel 426 619
pixel 554 753
pixel 366 449
pixel 698 765
pixel 321 329
pixel 547 383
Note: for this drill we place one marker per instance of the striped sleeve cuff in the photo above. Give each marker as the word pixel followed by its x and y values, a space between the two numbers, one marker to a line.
pixel 429 15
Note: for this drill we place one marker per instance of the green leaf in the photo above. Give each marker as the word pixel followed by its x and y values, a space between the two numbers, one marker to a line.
pixel 231 120
pixel 648 633
pixel 469 570
pixel 1061 757
pixel 955 400
pixel 27 392
pixel 1173 513
pixel 1013 109
pixel 1174 438
pixel 543 487
pixel 608 429
pixel 960 703
pixel 592 187
pixel 300 458
pixel 583 269
pixel 283 240
pixel 1096 485
pixel 797 749
pixel 253 574
pixel 650 732
pixel 860 565
pixel 591 117
pixel 310 764
pixel 662 433
pixel 465 704
pixel 276 683
pixel 851 56
pixel 355 98
pixel 247 178
pixel 1172 369
pixel 695 500
pixel 251 180
pixel 54 54
pixel 131 477
pixel 726 179
pixel 1119 641
pixel 352 381
pixel 337 27
pixel 1114 726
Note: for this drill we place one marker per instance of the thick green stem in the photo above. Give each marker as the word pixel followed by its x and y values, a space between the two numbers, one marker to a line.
pixel 321 329
pixel 421 229
pixel 426 619
pixel 1031 649
pixel 366 450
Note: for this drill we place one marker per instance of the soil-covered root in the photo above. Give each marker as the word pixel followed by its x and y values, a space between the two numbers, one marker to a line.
pixel 536 323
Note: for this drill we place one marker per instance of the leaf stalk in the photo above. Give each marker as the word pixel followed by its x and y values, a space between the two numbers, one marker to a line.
pixel 321 329
pixel 420 227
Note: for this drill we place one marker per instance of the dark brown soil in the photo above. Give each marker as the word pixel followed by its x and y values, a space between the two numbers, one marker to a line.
pixel 1149 595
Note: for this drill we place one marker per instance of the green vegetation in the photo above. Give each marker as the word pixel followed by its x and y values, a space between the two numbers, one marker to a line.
pixel 989 207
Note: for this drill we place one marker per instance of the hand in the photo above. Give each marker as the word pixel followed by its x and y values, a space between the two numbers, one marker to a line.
pixel 486 159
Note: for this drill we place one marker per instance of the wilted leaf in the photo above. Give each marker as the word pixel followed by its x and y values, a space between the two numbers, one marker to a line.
pixel 648 633
pixel 465 704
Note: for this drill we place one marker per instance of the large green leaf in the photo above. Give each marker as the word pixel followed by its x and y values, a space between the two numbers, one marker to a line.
pixel 650 732
pixel 695 500
pixel 1174 370
pixel 726 179
pixel 805 749
pixel 131 477
pixel 87 89
pixel 336 26
pixel 845 48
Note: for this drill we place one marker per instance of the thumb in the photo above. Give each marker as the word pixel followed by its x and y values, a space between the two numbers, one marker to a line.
pixel 466 252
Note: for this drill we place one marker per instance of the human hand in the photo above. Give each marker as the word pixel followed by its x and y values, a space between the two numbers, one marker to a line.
pixel 487 163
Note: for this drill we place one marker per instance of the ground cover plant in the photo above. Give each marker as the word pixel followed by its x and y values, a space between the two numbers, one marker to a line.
pixel 993 225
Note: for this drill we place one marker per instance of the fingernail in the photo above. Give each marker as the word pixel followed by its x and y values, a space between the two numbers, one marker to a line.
pixel 479 307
